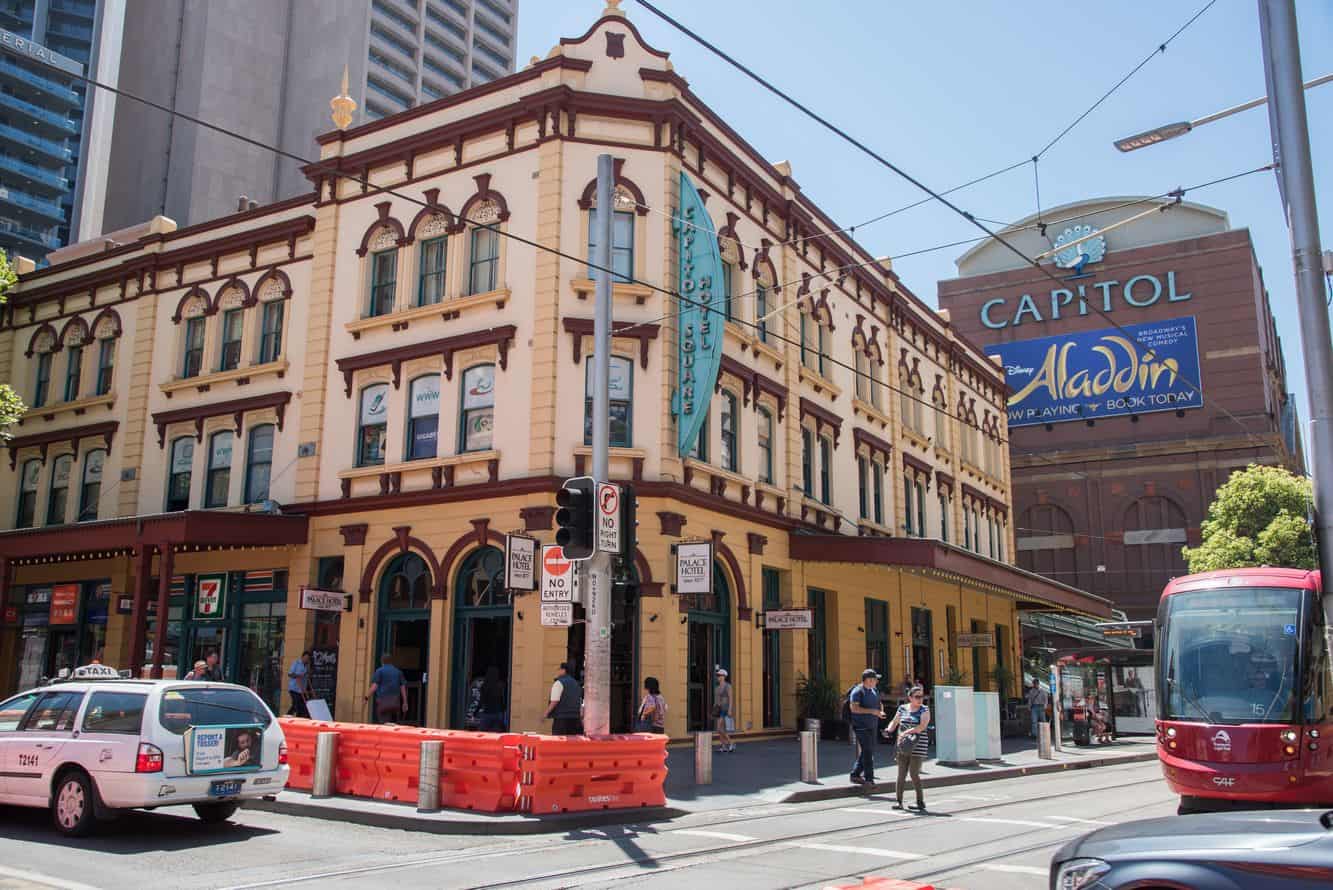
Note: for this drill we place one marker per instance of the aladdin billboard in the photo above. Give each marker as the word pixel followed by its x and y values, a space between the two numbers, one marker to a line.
pixel 1136 369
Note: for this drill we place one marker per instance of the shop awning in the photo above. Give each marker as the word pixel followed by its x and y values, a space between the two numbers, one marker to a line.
pixel 946 560
pixel 110 537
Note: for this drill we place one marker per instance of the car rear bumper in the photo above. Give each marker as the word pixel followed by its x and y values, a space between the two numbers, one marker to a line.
pixel 1281 782
pixel 132 790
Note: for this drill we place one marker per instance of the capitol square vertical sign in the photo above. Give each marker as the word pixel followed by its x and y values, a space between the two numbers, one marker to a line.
pixel 701 314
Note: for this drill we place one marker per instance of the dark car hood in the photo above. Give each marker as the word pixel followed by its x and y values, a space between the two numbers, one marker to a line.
pixel 1217 833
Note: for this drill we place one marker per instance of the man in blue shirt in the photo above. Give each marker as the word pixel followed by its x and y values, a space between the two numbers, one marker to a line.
pixel 389 691
pixel 866 714
pixel 298 685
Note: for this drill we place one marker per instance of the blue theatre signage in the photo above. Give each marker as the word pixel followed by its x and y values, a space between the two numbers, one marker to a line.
pixel 1090 374
pixel 701 316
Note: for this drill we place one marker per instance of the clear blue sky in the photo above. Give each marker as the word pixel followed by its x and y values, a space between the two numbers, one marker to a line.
pixel 950 91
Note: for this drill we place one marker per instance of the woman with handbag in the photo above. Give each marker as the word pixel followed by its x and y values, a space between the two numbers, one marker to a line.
pixel 911 722
pixel 652 710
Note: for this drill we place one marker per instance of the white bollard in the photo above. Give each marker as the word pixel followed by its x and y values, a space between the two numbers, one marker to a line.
pixel 1044 742
pixel 428 781
pixel 810 757
pixel 703 758
pixel 326 752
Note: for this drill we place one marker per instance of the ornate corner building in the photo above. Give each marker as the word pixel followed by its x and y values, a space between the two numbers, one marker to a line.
pixel 364 388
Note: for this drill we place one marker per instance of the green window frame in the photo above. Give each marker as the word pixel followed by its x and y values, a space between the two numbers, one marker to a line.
pixel 877 635
pixel 73 372
pixel 729 424
pixel 270 335
pixel 621 401
pixel 57 497
pixel 192 362
pixel 483 260
pixel 383 282
pixel 622 245
pixel 765 429
pixel 259 463
pixel 431 275
pixel 42 385
pixel 817 638
pixel 217 480
pixel 233 329
pixel 106 365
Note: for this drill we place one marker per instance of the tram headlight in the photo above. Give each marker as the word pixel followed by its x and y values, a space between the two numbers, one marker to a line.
pixel 1170 732
pixel 1289 735
pixel 1290 749
pixel 1314 733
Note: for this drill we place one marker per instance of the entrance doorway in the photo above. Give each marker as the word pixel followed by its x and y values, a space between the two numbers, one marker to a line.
pixel 483 635
pixel 709 648
pixel 772 651
pixel 404 627
pixel 922 648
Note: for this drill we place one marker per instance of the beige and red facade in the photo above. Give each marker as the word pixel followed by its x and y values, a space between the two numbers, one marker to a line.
pixel 370 505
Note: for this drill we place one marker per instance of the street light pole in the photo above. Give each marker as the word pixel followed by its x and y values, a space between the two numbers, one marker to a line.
pixel 1291 149
pixel 597 631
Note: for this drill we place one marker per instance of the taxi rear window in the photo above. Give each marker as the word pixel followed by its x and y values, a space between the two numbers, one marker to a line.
pixel 186 706
pixel 114 712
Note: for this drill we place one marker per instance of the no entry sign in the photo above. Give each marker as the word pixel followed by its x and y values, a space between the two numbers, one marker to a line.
pixel 557 575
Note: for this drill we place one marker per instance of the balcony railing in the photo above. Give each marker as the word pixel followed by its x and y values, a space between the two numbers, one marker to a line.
pixel 58 121
pixel 9 227
pixel 35 173
pixel 44 84
pixel 37 205
pixel 53 149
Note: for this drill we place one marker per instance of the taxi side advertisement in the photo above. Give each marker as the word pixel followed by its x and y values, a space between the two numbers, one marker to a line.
pixel 216 749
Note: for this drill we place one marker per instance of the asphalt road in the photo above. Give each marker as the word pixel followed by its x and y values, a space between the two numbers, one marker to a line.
pixel 993 835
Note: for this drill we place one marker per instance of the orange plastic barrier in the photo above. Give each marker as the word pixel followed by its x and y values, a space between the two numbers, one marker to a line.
pixel 479 771
pixel 357 770
pixel 568 774
pixel 400 761
pixel 301 735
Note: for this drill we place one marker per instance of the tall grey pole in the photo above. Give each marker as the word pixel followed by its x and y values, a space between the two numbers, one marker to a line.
pixel 1291 147
pixel 597 645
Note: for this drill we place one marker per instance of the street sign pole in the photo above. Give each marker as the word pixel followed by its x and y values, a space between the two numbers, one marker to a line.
pixel 597 646
pixel 1291 147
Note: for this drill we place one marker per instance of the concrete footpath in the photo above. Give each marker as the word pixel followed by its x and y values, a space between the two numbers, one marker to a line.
pixel 762 771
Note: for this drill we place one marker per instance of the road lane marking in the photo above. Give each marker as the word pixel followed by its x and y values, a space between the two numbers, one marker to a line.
pixel 716 835
pixel 847 848
pixel 1015 869
pixel 1080 821
pixel 36 878
pixel 1026 823
pixel 975 797
pixel 870 811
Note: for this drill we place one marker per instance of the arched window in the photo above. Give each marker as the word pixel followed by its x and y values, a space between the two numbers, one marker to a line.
pixel 32 473
pixel 383 281
pixel 1155 531
pixel 73 372
pixel 862 375
pixel 372 424
pixel 431 280
pixel 765 446
pixel 232 329
pixel 622 244
pixel 218 481
pixel 58 498
pixel 106 364
pixel 1045 540
pixel 476 422
pixel 423 417
pixel 41 389
pixel 178 478
pixel 729 422
pixel 90 493
pixel 484 260
pixel 621 398
pixel 807 342
pixel 761 311
pixel 259 464
pixel 406 583
pixel 481 579
pixel 192 361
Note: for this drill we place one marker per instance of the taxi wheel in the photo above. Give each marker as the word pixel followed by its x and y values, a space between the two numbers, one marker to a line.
pixel 74 807
pixel 213 813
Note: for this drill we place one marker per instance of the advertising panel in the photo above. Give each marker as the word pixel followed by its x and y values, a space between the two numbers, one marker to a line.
pixel 1105 373
pixel 215 749
pixel 701 316
pixel 65 604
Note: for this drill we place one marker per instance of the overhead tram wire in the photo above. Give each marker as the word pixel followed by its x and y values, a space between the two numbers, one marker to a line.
pixel 885 162
pixel 326 168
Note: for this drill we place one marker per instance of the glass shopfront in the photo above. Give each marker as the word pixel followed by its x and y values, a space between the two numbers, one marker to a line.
pixel 61 626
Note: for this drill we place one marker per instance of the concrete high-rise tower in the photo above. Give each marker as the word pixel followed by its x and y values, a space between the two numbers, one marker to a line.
pixel 267 70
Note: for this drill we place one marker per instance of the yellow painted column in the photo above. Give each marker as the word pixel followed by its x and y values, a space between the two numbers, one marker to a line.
pixel 315 375
pixel 547 288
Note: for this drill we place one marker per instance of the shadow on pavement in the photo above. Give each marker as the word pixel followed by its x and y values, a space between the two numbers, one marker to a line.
pixel 134 832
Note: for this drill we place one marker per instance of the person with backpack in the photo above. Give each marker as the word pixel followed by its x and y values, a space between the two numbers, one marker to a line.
pixel 866 711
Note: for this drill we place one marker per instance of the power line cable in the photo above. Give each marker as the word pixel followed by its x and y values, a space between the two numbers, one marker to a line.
pixel 890 165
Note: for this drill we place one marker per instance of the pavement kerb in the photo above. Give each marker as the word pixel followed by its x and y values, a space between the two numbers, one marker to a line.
pixel 990 775
pixel 294 803
pixel 404 817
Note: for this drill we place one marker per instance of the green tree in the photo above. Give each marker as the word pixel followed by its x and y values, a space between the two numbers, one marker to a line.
pixel 11 406
pixel 1259 517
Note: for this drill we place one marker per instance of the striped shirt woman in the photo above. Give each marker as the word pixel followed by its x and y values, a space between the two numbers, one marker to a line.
pixel 912 720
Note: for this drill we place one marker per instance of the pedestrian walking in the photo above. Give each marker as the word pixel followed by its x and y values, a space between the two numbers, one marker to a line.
pixel 298 685
pixel 911 721
pixel 866 713
pixel 722 711
pixel 1037 701
pixel 652 710
pixel 566 708
pixel 388 690
pixel 492 701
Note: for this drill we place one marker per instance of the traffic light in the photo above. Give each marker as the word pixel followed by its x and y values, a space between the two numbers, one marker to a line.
pixel 575 517
pixel 629 525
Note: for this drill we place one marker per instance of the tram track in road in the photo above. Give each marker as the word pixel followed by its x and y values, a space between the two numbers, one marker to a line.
pixel 722 821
